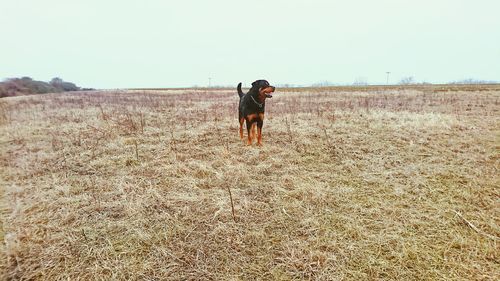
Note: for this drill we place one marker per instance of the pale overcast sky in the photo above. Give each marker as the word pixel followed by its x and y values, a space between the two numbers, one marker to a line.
pixel 153 43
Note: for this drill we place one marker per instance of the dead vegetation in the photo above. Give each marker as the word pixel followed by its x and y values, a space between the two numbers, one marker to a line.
pixel 387 184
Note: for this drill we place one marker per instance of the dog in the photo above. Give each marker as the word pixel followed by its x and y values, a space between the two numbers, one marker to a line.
pixel 251 108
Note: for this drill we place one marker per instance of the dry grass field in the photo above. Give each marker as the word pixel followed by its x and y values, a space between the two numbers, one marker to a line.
pixel 374 183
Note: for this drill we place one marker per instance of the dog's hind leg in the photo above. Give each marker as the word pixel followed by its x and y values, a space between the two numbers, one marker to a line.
pixel 242 120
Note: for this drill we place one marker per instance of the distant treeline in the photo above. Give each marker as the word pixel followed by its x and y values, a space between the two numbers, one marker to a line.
pixel 409 80
pixel 27 86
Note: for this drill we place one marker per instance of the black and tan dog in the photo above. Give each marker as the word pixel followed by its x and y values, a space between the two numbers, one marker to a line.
pixel 252 107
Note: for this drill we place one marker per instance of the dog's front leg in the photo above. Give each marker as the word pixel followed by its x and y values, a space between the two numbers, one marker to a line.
pixel 250 131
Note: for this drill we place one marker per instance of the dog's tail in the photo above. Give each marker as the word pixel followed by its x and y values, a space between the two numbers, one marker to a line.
pixel 240 92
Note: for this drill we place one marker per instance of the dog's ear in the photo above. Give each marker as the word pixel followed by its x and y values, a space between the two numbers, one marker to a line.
pixel 260 84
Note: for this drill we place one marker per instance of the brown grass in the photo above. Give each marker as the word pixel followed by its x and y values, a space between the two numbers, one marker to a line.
pixel 376 183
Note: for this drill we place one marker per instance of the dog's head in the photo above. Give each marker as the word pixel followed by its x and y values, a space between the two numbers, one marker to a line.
pixel 264 88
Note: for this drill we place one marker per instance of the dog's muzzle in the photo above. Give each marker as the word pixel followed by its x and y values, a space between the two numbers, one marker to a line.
pixel 268 95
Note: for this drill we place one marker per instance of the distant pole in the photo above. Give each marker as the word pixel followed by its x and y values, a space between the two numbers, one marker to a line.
pixel 209 82
pixel 387 83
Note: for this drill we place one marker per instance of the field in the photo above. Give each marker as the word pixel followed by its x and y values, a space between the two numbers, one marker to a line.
pixel 352 183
